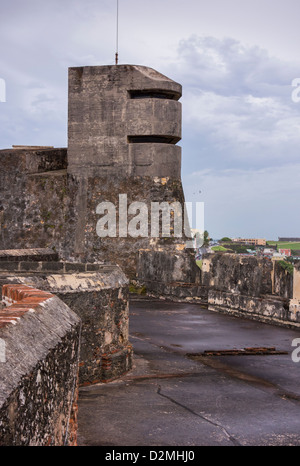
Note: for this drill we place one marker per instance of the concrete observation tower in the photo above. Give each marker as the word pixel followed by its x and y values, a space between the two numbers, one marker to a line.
pixel 124 121
pixel 123 129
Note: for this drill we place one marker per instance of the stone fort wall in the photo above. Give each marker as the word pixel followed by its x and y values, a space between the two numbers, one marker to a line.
pixel 123 132
pixel 39 355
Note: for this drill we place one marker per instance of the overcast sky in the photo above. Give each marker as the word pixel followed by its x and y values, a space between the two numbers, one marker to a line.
pixel 236 60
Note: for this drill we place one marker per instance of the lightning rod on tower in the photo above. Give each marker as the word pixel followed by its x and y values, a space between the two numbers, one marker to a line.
pixel 117 34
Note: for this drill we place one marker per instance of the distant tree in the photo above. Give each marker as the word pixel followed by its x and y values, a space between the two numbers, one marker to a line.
pixel 241 249
pixel 226 239
pixel 206 238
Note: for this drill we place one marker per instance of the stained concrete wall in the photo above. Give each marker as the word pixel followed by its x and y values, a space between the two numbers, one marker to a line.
pixel 38 370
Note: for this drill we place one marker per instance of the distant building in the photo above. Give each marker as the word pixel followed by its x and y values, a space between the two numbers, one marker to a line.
pixel 278 256
pixel 285 252
pixel 289 240
pixel 268 252
pixel 254 241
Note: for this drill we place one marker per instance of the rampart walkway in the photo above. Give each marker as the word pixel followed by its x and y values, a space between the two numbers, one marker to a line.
pixel 171 399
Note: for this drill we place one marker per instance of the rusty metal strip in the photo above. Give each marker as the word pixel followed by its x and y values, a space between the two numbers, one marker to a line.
pixel 239 352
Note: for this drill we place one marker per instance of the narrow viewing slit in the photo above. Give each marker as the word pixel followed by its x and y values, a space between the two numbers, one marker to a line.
pixel 154 94
pixel 153 139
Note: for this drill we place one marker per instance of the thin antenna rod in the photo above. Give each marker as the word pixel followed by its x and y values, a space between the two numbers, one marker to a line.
pixel 117 33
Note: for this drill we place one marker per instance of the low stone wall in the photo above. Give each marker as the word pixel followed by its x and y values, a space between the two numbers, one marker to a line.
pixel 39 351
pixel 99 295
pixel 246 275
pixel 244 286
pixel 171 274
pixel 250 287
pixel 268 308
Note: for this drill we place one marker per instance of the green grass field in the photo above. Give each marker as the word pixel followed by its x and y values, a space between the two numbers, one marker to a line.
pixel 282 245
pixel 219 248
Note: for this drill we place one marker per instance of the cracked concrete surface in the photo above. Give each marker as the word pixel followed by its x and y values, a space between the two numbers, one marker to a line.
pixel 169 399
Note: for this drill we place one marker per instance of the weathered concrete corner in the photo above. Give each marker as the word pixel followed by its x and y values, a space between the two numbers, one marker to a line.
pixel 39 371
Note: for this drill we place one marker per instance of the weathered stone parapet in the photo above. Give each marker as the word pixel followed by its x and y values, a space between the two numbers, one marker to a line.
pixel 235 273
pixel 269 308
pixel 171 273
pixel 32 160
pixel 100 297
pixel 52 266
pixel 249 287
pixel 40 339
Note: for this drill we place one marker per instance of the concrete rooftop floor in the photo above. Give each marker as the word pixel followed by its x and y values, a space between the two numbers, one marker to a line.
pixel 169 399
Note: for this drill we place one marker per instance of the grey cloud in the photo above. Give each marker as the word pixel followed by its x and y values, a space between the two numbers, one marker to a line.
pixel 237 99
pixel 228 67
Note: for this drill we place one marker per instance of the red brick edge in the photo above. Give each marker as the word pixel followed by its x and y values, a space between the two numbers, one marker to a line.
pixel 18 300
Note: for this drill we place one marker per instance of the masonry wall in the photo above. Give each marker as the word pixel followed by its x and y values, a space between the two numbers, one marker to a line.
pixel 121 250
pixel 39 338
pixel 171 274
pixel 234 273
pixel 124 123
pixel 249 287
pixel 101 300
pixel 33 198
pixel 99 295
pixel 43 206
pixel 124 143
